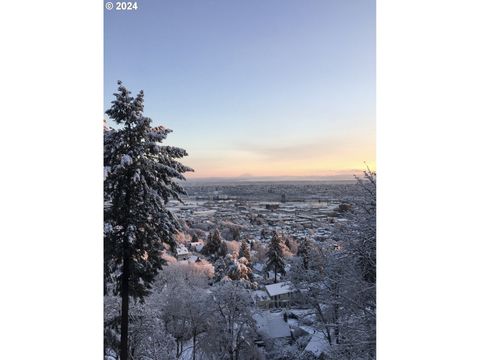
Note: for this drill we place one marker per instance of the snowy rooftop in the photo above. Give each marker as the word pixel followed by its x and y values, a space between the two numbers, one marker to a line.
pixel 199 248
pixel 271 325
pixel 181 250
pixel 259 295
pixel 317 345
pixel 258 266
pixel 301 312
pixel 193 258
pixel 310 329
pixel 279 288
pixel 271 275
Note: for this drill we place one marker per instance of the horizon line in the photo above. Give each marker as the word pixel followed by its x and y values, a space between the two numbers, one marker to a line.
pixel 340 177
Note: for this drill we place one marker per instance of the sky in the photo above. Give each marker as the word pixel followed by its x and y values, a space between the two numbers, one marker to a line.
pixel 253 88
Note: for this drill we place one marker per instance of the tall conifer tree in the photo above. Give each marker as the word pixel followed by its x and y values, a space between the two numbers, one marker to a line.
pixel 140 176
pixel 306 252
pixel 214 246
pixel 275 255
pixel 245 251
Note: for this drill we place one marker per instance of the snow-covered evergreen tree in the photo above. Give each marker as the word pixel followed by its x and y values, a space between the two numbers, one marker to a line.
pixel 263 234
pixel 275 255
pixel 215 246
pixel 236 233
pixel 140 178
pixel 194 238
pixel 221 269
pixel 306 251
pixel 245 251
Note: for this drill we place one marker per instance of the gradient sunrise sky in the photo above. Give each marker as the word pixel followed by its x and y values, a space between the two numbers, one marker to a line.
pixel 253 87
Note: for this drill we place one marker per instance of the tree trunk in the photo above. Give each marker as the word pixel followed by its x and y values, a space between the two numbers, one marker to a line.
pixel 336 308
pixel 337 329
pixel 322 318
pixel 125 299
pixel 125 287
pixel 275 270
pixel 194 345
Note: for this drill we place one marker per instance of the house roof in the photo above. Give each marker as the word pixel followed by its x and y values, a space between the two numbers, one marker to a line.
pixel 317 344
pixel 279 288
pixel 258 266
pixel 181 250
pixel 271 325
pixel 199 247
pixel 259 295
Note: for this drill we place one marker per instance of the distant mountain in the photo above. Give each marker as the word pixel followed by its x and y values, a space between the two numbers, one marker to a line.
pixel 250 178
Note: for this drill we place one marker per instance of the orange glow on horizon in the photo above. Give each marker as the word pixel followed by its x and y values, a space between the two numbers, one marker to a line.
pixel 282 170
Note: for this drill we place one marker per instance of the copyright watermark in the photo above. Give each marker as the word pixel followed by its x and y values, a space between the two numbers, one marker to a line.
pixel 121 6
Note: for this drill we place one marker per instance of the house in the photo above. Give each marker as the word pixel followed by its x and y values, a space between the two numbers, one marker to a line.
pixel 272 206
pixel 280 294
pixel 181 252
pixel 261 299
pixel 191 259
pixel 196 246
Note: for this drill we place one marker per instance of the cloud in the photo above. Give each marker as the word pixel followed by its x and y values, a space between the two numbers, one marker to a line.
pixel 311 149
pixel 336 156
